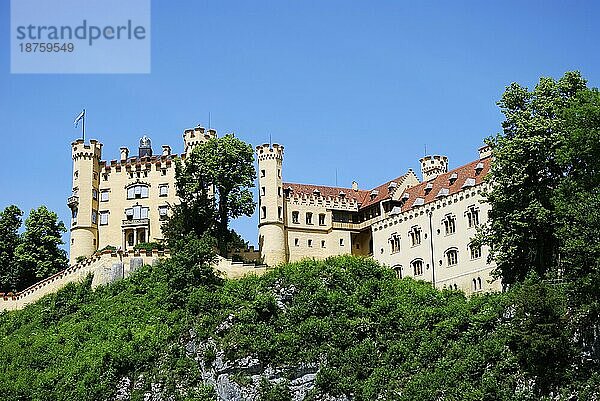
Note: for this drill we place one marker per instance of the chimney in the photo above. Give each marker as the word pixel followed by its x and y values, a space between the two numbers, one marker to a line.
pixel 166 150
pixel 124 153
pixel 355 186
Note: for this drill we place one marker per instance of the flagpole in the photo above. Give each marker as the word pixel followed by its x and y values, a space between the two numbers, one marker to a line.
pixel 83 126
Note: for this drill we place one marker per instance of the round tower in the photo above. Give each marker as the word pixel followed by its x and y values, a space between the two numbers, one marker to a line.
pixel 271 231
pixel 432 166
pixel 83 202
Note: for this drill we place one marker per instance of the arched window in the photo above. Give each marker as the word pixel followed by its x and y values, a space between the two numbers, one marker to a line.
pixel 417 266
pixel 449 224
pixel 137 191
pixel 398 270
pixel 451 257
pixel 415 235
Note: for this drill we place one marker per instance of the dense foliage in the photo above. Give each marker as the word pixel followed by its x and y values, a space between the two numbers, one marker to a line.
pixel 213 185
pixel 34 255
pixel 372 335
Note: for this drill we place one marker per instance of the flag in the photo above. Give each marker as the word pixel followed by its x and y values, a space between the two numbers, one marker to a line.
pixel 79 118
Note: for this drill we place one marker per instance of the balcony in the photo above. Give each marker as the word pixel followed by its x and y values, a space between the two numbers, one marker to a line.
pixel 73 201
pixel 353 226
pixel 136 223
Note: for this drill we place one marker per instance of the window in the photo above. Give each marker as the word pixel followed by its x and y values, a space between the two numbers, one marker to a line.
pixel 341 242
pixel 321 219
pixel 74 213
pixel 279 212
pixel 136 213
pixel 309 218
pixel 279 173
pixel 262 173
pixel 476 284
pixel 323 244
pixel 76 174
pixel 130 239
pixel 451 257
pixel 137 192
pixel 163 171
pixel 262 191
pixel 395 241
pixel 163 190
pixel 450 224
pixel 162 212
pixel 415 236
pixel 295 217
pixel 263 212
pixel 94 193
pixel 279 191
pixel 473 216
pixel 310 243
pixel 296 242
pixel 475 251
pixel 95 175
pixel 94 216
pixel 417 266
pixel 104 195
pixel 103 218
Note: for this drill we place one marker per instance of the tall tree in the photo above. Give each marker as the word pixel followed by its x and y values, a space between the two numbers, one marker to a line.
pixel 214 187
pixel 522 229
pixel 38 255
pixel 10 222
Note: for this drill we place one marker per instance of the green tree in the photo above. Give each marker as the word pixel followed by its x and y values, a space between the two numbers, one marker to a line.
pixel 38 255
pixel 522 229
pixel 10 222
pixel 213 185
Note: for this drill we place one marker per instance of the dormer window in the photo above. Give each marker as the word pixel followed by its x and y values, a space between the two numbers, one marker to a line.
pixel 453 178
pixel 443 192
pixel 469 182
pixel 342 194
pixel 392 186
pixel 316 192
pixel 405 197
pixel 374 194
pixel 419 202
pixel 478 167
pixel 428 187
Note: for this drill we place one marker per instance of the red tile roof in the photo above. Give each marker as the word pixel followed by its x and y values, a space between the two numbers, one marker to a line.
pixel 443 181
pixel 362 196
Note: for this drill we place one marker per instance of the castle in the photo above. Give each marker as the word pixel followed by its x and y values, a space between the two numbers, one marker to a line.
pixel 420 229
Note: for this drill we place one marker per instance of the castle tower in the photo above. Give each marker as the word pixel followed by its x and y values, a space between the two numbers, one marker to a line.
pixel 195 136
pixel 84 200
pixel 271 231
pixel 432 166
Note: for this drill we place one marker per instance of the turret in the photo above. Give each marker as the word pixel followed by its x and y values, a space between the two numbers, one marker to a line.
pixel 195 136
pixel 432 166
pixel 145 148
pixel 84 200
pixel 271 233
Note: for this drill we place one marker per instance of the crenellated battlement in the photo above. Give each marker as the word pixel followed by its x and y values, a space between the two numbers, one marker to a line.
pixel 267 151
pixel 195 136
pixel 433 165
pixel 81 150
pixel 328 202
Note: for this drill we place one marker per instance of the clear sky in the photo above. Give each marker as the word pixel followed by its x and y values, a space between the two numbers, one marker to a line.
pixel 357 86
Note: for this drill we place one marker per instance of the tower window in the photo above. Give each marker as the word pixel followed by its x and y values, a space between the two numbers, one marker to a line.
pixel 279 212
pixel 279 191
pixel 321 219
pixel 264 212
pixel 103 218
pixel 262 191
pixel 296 242
pixel 76 174
pixel 94 216
pixel 262 173
pixel 309 218
pixel 341 242
pixel 163 171
pixel 295 216
pixel 310 243
pixel 94 193
pixel 323 244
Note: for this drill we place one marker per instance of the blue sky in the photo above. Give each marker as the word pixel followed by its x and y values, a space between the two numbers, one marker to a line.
pixel 361 87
